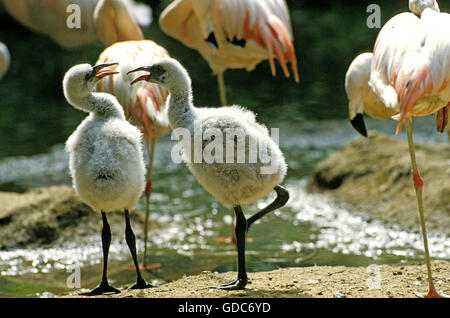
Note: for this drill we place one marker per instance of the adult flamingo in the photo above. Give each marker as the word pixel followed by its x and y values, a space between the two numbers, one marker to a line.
pixel 143 103
pixel 109 21
pixel 5 59
pixel 362 99
pixel 233 33
pixel 409 74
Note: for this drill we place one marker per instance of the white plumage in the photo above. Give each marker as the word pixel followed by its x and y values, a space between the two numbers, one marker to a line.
pixel 229 176
pixel 106 160
pixel 231 183
pixel 360 95
pixel 409 71
pixel 234 183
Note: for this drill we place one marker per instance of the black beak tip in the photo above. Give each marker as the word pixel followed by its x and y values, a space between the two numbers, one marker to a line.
pixel 142 68
pixel 358 124
pixel 103 65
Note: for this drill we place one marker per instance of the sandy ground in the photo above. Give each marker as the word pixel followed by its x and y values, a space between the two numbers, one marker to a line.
pixel 53 215
pixel 375 281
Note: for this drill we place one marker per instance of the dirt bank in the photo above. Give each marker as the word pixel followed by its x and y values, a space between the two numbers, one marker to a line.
pixel 53 215
pixel 374 174
pixel 397 281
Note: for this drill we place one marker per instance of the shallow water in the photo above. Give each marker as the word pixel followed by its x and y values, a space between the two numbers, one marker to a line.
pixel 310 229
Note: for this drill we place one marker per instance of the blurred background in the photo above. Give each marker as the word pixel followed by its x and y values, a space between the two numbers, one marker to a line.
pixel 312 116
pixel 328 35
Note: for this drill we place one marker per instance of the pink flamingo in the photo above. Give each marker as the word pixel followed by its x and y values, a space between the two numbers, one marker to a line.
pixel 143 103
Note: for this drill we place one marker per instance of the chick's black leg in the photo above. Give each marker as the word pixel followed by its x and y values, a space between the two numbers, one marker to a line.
pixel 131 241
pixel 104 286
pixel 241 231
pixel 242 226
pixel 281 199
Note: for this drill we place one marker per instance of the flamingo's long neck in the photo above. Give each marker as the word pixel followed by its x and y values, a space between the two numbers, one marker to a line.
pixel 100 104
pixel 179 103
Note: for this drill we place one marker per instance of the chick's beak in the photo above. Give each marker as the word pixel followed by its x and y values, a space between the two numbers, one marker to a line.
pixel 144 77
pixel 100 72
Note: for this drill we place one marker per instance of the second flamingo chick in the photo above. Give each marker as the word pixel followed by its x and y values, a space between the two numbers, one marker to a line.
pixel 233 181
pixel 106 160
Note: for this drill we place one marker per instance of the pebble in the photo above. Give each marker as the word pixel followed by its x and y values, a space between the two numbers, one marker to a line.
pixel 339 294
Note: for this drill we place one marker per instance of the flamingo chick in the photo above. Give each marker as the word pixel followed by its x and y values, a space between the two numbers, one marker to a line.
pixel 232 183
pixel 106 160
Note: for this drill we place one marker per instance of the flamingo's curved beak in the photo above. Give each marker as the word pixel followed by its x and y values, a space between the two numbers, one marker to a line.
pixel 144 77
pixel 358 124
pixel 99 72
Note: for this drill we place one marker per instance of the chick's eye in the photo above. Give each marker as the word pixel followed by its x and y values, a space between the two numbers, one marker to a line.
pixel 159 70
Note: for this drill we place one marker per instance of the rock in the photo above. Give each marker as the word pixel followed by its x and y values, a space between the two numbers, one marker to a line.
pixel 374 174
pixel 339 294
pixel 55 214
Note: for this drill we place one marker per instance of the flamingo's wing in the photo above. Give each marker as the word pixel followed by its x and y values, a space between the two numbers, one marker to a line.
pixel 140 12
pixel 107 20
pixel 391 47
pixel 410 68
pixel 233 33
pixel 19 10
pixel 437 52
pixel 50 17
pixel 114 22
pixel 143 102
pixel 438 49
pixel 396 53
